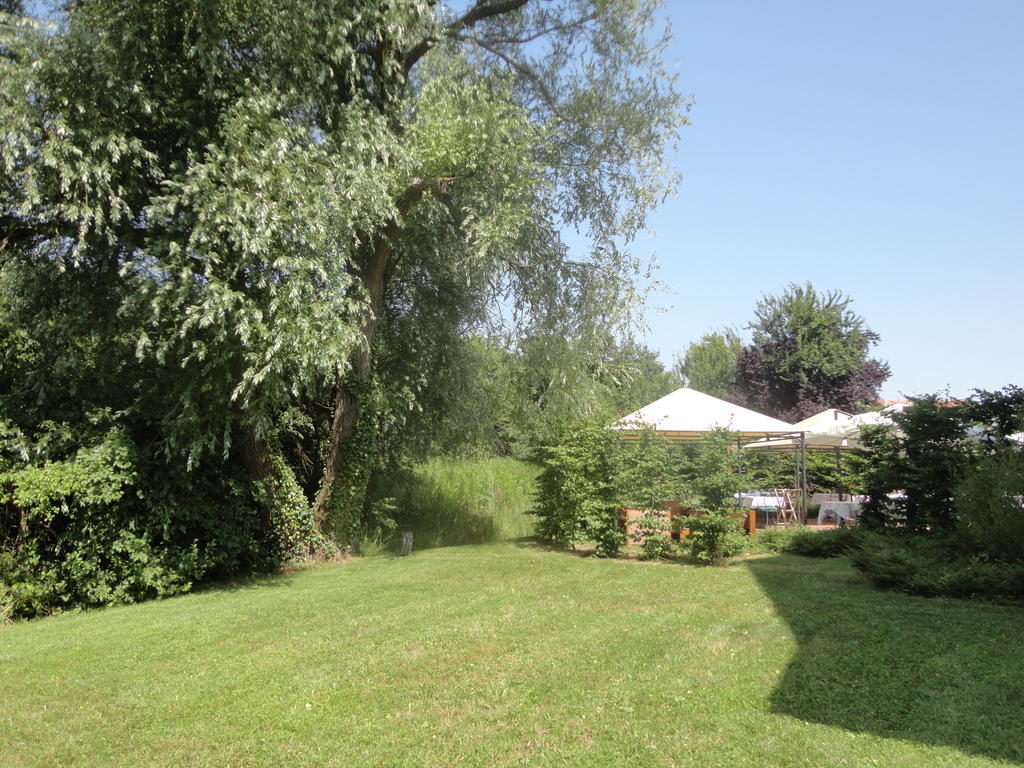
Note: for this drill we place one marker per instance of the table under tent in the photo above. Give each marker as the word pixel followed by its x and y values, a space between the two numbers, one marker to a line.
pixel 833 431
pixel 687 414
pixel 827 431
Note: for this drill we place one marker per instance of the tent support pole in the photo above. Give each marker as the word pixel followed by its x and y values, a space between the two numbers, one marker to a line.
pixel 839 471
pixel 803 478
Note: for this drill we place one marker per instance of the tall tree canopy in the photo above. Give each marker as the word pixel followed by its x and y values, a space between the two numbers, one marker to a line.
pixel 240 234
pixel 709 365
pixel 809 352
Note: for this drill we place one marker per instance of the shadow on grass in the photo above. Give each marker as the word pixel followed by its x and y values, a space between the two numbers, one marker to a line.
pixel 934 671
pixel 545 545
pixel 587 550
pixel 281 578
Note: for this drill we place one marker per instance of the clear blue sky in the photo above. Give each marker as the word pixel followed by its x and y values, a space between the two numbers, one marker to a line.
pixel 873 147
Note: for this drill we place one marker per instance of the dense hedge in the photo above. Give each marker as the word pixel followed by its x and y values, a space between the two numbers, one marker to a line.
pixel 103 526
pixel 799 540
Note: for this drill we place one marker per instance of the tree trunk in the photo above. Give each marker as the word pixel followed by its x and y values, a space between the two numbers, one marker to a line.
pixel 350 388
pixel 284 509
pixel 256 457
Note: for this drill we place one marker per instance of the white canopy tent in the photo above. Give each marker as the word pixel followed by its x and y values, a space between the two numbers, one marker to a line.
pixel 822 431
pixel 830 430
pixel 687 414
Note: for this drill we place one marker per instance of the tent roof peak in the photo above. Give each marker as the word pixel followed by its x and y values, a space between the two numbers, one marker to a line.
pixel 687 414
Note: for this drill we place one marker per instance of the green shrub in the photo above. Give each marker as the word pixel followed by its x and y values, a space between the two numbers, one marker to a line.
pixel 929 566
pixel 831 543
pixel 808 542
pixel 971 577
pixel 587 475
pixel 655 537
pixel 775 540
pixel 578 496
pixel 604 529
pixel 714 537
pixel 104 526
pixel 990 516
pixel 81 539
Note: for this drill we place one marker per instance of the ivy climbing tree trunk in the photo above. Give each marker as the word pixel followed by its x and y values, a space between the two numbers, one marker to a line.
pixel 346 465
pixel 350 442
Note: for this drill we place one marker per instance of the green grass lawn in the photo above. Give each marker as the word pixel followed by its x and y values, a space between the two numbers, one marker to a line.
pixel 509 654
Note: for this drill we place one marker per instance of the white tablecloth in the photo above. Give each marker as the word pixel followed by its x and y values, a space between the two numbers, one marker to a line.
pixel 838 510
pixel 749 500
pixel 825 498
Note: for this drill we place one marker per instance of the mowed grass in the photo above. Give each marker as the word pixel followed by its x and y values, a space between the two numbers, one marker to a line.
pixel 511 654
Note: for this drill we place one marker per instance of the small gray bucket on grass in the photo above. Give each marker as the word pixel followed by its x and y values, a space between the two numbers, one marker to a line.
pixel 406 547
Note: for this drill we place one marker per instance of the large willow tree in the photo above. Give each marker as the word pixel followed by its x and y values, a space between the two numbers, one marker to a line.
pixel 219 215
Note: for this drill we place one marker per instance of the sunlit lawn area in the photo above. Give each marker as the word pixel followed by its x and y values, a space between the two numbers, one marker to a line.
pixel 511 654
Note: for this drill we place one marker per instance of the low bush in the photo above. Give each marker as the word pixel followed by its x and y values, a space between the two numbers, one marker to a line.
pixel 714 537
pixel 651 531
pixel 775 540
pixel 930 566
pixel 656 544
pixel 832 543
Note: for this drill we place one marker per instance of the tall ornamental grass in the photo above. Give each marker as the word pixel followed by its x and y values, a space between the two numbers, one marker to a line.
pixel 448 502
